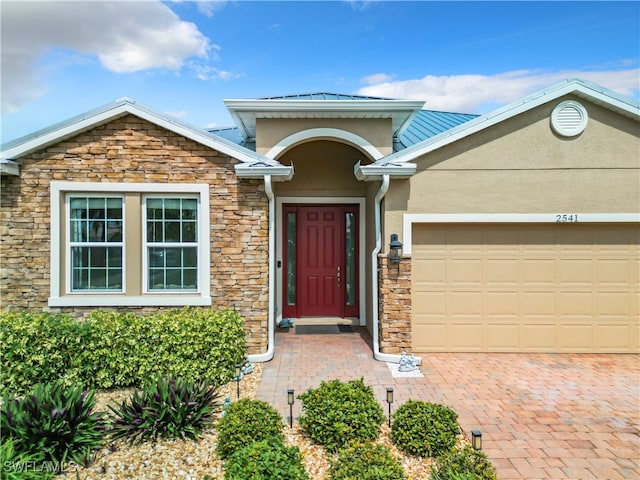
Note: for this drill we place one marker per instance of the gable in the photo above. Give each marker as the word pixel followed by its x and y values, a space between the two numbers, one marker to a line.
pixel 582 90
pixel 69 128
pixel 528 141
pixel 131 146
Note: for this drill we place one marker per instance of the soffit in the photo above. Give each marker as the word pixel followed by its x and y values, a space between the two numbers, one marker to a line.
pixel 246 112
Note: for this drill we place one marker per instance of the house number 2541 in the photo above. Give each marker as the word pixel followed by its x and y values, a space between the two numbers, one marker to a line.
pixel 566 217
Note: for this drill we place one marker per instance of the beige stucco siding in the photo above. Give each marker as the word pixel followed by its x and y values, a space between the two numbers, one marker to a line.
pixel 522 166
pixel 270 132
pixel 322 169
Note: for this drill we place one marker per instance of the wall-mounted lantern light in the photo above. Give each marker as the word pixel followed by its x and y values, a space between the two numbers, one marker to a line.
pixel 290 400
pixel 395 249
pixel 389 401
pixel 237 378
pixel 476 439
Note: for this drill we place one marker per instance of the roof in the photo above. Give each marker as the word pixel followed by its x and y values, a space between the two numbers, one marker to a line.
pixel 416 131
pixel 245 112
pixel 323 96
pixel 424 125
pixel 427 124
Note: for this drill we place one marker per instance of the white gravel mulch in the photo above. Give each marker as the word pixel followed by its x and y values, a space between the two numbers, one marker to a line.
pixel 191 460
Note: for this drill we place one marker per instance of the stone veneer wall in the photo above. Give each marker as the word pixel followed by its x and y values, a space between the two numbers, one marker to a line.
pixel 395 305
pixel 130 149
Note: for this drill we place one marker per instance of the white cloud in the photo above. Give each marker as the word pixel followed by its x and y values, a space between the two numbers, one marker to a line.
pixel 481 93
pixel 377 78
pixel 124 36
pixel 210 7
pixel 205 72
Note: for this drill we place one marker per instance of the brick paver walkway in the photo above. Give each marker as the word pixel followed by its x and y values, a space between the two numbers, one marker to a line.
pixel 542 416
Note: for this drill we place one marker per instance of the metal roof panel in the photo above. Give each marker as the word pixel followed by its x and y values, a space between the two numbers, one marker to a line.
pixel 323 96
pixel 427 124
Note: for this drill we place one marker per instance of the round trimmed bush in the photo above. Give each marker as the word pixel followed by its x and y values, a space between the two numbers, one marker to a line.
pixel 465 463
pixel 424 429
pixel 366 461
pixel 247 421
pixel 337 412
pixel 266 459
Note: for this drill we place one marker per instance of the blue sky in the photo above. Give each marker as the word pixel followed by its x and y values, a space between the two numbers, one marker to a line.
pixel 62 58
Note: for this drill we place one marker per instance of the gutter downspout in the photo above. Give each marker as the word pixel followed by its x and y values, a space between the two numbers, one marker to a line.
pixel 268 355
pixel 381 357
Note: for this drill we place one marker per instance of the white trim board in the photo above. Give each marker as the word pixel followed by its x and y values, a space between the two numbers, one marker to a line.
pixel 408 219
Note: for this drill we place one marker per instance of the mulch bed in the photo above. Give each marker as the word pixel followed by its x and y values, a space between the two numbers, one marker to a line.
pixel 190 460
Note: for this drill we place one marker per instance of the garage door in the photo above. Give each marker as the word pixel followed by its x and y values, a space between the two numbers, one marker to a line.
pixel 526 287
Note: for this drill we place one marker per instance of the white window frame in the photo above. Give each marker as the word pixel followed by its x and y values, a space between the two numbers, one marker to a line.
pixel 69 245
pixel 58 298
pixel 146 245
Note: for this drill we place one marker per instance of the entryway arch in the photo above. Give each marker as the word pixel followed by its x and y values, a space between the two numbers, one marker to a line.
pixel 335 134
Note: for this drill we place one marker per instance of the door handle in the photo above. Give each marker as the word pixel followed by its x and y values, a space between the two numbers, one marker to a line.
pixel 339 276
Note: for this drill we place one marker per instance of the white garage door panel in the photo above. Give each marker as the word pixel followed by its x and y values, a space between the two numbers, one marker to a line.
pixel 526 287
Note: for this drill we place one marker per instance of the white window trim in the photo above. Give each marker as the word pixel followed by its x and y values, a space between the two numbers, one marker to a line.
pixel 146 245
pixel 68 246
pixel 408 219
pixel 201 298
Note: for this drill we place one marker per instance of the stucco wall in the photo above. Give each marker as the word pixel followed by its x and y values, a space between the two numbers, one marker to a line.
pixel 522 166
pixel 132 150
pixel 270 132
pixel 322 169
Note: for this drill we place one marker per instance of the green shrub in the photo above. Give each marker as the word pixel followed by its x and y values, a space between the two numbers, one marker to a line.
pixel 119 349
pixel 463 464
pixel 56 421
pixel 16 465
pixel 424 429
pixel 337 412
pixel 365 461
pixel 247 421
pixel 266 459
pixel 37 348
pixel 451 475
pixel 167 408
pixel 125 349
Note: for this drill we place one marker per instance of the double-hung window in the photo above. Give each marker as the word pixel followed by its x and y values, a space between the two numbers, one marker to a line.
pixel 171 243
pixel 96 243
pixel 129 244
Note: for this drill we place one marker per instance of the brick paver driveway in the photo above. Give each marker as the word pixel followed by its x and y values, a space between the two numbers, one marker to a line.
pixel 542 416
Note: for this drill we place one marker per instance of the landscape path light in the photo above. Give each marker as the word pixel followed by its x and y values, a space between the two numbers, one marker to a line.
pixel 476 439
pixel 389 401
pixel 237 378
pixel 290 400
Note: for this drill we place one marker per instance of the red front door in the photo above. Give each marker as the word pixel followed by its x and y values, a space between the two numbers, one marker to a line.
pixel 321 266
pixel 320 261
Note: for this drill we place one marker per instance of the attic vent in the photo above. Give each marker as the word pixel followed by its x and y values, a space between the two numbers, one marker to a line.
pixel 569 119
